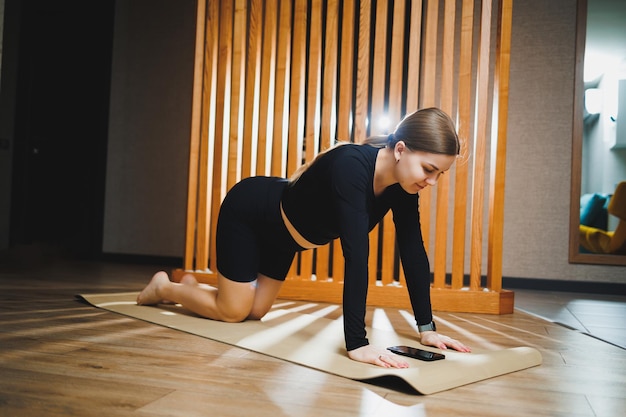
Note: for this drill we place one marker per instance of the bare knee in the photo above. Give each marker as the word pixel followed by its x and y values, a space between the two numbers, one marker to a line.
pixel 259 309
pixel 233 316
pixel 234 300
pixel 258 313
pixel 233 313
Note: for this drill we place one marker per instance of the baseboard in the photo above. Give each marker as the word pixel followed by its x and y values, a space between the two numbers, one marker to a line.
pixel 612 288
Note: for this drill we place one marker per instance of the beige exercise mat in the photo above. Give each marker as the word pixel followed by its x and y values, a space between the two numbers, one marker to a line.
pixel 317 342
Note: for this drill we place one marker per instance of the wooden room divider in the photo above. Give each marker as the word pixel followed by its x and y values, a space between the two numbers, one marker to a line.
pixel 278 81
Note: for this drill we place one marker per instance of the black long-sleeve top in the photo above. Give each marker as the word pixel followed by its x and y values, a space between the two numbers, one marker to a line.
pixel 334 198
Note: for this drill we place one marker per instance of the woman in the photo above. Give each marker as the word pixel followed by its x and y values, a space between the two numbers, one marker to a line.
pixel 343 193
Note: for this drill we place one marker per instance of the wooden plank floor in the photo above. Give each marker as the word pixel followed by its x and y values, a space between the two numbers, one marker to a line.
pixel 60 357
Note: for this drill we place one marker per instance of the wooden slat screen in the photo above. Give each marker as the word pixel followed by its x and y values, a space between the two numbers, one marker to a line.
pixel 278 81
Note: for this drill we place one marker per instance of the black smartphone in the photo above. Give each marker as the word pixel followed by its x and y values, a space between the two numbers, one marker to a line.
pixel 422 355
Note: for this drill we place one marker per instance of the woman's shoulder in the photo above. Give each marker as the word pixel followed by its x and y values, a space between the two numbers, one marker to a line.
pixel 352 166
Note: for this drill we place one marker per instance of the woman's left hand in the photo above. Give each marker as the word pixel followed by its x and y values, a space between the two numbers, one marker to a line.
pixel 440 341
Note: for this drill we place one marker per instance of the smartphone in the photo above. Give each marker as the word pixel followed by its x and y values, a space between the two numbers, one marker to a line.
pixel 422 355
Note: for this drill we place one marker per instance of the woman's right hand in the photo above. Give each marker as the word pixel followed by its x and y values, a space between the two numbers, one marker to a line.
pixel 377 356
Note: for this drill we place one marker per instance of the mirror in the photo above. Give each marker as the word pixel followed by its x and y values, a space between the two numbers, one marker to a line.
pixel 599 134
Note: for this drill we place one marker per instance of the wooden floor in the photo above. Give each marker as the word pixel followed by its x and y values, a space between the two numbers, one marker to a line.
pixel 602 316
pixel 60 357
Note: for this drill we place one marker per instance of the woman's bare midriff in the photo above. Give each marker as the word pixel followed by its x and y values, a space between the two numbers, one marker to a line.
pixel 300 240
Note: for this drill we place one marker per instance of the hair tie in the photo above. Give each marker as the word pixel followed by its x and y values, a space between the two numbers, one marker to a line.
pixel 391 139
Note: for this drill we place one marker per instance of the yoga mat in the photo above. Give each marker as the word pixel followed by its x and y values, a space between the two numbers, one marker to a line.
pixel 317 342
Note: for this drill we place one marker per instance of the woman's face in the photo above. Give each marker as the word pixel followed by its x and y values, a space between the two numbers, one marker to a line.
pixel 415 170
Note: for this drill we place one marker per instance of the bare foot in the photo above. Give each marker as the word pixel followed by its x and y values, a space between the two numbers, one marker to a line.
pixel 188 279
pixel 151 294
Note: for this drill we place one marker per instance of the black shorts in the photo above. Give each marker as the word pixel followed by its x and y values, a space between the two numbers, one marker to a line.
pixel 251 235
